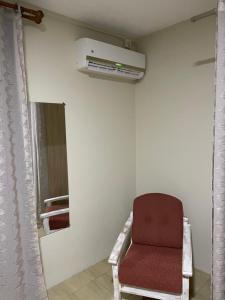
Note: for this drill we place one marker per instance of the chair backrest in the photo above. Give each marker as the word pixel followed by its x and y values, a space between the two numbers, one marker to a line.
pixel 158 221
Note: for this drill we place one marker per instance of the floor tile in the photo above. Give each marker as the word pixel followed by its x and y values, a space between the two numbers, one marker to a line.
pixel 205 291
pixel 198 281
pixel 78 281
pixel 61 293
pixel 199 297
pixel 93 292
pixel 105 281
pixel 100 268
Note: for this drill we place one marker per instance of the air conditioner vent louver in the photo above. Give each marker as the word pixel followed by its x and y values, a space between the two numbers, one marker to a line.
pixel 100 66
pixel 113 70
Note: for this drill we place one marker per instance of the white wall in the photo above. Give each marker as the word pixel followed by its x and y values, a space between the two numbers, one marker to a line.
pixel 100 124
pixel 174 117
pixel 174 112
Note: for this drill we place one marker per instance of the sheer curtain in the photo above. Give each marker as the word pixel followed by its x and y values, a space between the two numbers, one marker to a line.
pixel 218 269
pixel 21 275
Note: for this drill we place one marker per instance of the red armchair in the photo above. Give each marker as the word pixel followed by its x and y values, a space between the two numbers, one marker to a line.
pixel 153 256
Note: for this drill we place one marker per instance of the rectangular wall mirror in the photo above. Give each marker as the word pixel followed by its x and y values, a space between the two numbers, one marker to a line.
pixel 50 166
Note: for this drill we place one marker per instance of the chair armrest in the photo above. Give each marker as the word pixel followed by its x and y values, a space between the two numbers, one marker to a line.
pixel 49 200
pixel 54 213
pixel 121 243
pixel 187 250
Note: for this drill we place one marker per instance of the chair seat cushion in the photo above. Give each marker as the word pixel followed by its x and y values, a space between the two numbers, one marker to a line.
pixel 154 268
pixel 59 221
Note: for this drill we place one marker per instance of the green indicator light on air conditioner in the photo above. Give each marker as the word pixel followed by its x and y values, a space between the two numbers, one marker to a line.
pixel 119 65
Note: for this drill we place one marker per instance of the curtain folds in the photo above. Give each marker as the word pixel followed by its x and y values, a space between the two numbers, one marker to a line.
pixel 218 268
pixel 21 274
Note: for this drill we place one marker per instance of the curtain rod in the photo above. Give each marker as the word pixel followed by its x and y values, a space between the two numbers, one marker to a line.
pixel 27 13
pixel 204 15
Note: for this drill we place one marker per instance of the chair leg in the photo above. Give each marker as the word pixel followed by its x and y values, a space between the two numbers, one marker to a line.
pixel 116 284
pixel 117 295
pixel 185 295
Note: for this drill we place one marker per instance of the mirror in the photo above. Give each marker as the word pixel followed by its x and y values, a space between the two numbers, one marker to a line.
pixel 50 166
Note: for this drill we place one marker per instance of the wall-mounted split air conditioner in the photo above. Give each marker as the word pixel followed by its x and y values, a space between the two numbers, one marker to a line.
pixel 94 57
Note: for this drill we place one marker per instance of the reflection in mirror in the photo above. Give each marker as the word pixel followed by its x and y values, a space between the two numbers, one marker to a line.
pixel 50 166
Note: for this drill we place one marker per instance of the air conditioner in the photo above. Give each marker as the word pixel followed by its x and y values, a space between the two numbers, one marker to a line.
pixel 104 59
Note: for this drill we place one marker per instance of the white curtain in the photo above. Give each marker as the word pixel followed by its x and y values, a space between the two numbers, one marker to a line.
pixel 218 269
pixel 21 274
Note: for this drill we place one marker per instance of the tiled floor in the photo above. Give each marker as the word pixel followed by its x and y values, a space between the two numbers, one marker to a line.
pixel 96 284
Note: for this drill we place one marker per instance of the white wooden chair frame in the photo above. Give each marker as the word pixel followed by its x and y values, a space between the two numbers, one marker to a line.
pixel 119 250
pixel 46 216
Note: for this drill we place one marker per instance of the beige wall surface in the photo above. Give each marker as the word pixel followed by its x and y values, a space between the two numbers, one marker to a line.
pixel 100 125
pixel 174 124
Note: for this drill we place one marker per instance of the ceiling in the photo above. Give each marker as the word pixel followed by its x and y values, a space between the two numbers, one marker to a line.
pixel 130 18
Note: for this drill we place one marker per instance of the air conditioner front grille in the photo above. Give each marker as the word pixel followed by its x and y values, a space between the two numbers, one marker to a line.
pixel 100 67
